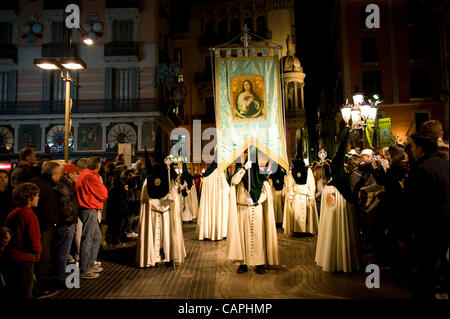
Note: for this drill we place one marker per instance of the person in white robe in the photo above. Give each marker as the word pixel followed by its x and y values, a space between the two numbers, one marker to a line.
pixel 337 243
pixel 278 186
pixel 189 196
pixel 212 222
pixel 160 236
pixel 300 210
pixel 252 235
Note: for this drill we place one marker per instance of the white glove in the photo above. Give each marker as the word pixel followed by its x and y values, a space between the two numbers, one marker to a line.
pixel 249 201
pixel 248 165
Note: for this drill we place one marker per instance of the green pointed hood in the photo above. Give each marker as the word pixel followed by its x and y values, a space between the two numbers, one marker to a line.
pixel 256 178
pixel 340 179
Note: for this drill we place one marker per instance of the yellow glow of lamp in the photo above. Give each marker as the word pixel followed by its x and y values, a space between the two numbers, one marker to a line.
pixel 73 64
pixel 346 110
pixel 47 64
pixel 365 109
pixel 358 98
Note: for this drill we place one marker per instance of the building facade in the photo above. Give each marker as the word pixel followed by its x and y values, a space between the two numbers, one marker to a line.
pixel 117 100
pixel 401 61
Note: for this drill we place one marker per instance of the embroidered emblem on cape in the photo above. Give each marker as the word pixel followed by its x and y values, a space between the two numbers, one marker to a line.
pixel 331 199
pixel 299 174
pixel 157 182
pixel 277 181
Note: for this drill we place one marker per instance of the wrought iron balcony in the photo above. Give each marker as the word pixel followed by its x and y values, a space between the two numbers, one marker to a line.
pixel 122 49
pixel 58 50
pixel 8 51
pixel 80 106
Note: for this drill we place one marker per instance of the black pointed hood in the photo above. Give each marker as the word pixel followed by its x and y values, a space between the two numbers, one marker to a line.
pixel 299 169
pixel 158 182
pixel 278 178
pixel 186 177
pixel 338 175
pixel 148 163
pixel 211 168
pixel 256 179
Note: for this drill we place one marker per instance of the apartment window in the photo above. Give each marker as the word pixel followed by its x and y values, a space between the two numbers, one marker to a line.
pixel 261 26
pixel 235 27
pixel 3 86
pixel 222 28
pixel 6 32
pixel 8 82
pixel 123 30
pixel 369 51
pixel 209 29
pixel 418 42
pixel 178 56
pixel 413 11
pixel 419 83
pixel 58 87
pixel 372 82
pixel 59 32
pixel 125 83
pixel 420 118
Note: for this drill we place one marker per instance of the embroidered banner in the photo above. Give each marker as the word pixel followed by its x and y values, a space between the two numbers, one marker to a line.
pixel 249 109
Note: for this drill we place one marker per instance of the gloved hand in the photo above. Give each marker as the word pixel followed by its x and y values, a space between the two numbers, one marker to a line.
pixel 248 165
pixel 249 201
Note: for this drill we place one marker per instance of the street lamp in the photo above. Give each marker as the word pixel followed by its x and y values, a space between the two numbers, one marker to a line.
pixel 66 65
pixel 359 112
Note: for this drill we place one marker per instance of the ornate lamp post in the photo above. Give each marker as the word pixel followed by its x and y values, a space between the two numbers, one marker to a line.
pixel 359 112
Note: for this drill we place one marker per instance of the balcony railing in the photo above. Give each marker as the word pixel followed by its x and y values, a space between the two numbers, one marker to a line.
pixel 81 106
pixel 58 50
pixel 87 106
pixel 122 49
pixel 8 51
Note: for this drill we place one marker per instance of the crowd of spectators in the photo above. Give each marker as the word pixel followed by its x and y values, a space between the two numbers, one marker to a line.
pixel 53 214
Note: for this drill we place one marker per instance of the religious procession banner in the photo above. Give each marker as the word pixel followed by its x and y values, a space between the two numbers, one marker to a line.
pixel 249 109
pixel 385 132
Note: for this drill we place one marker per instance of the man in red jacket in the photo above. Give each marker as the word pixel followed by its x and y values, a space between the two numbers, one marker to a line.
pixel 91 194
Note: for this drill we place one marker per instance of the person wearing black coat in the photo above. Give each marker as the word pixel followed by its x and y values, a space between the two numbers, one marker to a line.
pixel 68 218
pixel 47 213
pixel 117 209
pixel 429 182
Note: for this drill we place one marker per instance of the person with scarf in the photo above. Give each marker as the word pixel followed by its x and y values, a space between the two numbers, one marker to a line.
pixel 212 222
pixel 337 242
pixel 160 237
pixel 252 235
pixel 300 210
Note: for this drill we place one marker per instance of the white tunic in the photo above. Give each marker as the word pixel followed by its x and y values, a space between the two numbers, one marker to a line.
pixel 252 233
pixel 300 210
pixel 337 243
pixel 212 219
pixel 278 203
pixel 160 227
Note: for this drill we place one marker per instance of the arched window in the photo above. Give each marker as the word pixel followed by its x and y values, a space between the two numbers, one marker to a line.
pixel 235 27
pixel 261 26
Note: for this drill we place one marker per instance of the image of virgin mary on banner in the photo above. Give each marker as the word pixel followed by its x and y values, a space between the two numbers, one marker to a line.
pixel 249 109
